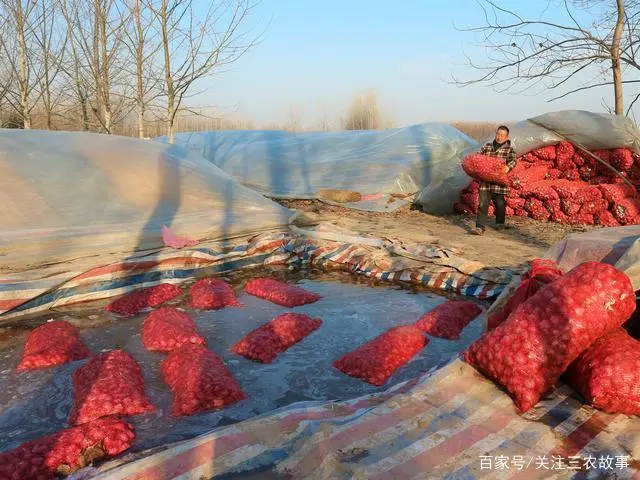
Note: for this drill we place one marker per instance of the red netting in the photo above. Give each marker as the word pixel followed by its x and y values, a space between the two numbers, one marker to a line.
pixel 53 343
pixel 66 451
pixel 375 361
pixel 267 341
pixel 280 293
pixel 528 353
pixel 133 303
pixel 448 319
pixel 108 384
pixel 199 381
pixel 167 329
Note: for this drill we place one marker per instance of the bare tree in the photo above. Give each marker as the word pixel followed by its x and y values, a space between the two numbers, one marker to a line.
pixel 525 53
pixel 197 44
pixel 363 113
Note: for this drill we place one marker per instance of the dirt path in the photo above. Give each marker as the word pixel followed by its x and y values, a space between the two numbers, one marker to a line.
pixel 511 248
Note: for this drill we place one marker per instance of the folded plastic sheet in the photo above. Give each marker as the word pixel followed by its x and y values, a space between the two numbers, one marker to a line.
pixel 420 159
pixel 71 195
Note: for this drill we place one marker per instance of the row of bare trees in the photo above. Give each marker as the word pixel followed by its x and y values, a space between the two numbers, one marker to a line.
pixel 97 62
pixel 573 46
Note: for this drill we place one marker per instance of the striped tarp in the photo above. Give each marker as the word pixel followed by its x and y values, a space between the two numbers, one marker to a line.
pixel 71 283
pixel 451 424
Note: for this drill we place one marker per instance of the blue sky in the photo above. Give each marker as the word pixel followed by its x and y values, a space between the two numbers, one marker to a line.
pixel 316 54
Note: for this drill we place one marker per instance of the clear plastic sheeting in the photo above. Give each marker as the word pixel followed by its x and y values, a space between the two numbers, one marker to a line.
pixel 71 195
pixel 421 159
pixel 38 402
pixel 591 130
pixel 619 247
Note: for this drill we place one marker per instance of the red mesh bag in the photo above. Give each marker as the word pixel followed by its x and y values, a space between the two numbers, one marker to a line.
pixel 267 341
pixel 565 150
pixel 588 193
pixel 592 208
pixel 536 209
pixel 600 179
pixel 606 219
pixel 546 153
pixel 375 361
pixel 587 173
pixel 572 175
pixel 621 179
pixel 622 159
pixel 552 205
pixel 521 212
pixel 579 158
pixel 448 319
pixel 485 168
pixel 199 381
pixel 626 211
pixel 529 157
pixel 559 217
pixel 212 294
pixel 474 187
pixel 568 189
pixel 582 219
pixel 543 190
pixel 564 164
pixel 607 374
pixel 515 202
pixel 53 343
pixel 110 383
pixel 509 211
pixel 167 329
pixel 472 200
pixel 540 273
pixel 526 177
pixel 64 452
pixel 528 353
pixel 604 155
pixel 463 209
pixel 133 303
pixel 280 293
pixel 616 192
pixel 569 208
pixel 553 174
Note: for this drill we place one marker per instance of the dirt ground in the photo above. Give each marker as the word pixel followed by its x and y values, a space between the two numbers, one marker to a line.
pixel 511 248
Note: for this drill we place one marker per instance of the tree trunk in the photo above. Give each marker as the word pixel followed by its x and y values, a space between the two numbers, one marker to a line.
pixel 171 94
pixel 139 70
pixel 23 79
pixel 106 101
pixel 615 59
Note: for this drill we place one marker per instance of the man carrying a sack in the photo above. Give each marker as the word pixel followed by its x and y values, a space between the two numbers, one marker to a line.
pixel 499 148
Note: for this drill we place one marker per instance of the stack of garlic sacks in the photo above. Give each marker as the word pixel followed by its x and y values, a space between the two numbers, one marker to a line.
pixel 563 184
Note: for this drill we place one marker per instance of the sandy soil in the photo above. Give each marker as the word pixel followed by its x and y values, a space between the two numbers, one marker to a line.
pixel 511 248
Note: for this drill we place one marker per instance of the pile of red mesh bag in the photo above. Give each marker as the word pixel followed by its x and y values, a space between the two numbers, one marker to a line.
pixel 66 451
pixel 267 341
pixel 212 294
pixel 540 273
pixel 563 184
pixel 484 168
pixel 199 381
pixel 528 352
pixel 607 374
pixel 133 303
pixel 167 329
pixel 375 361
pixel 108 384
pixel 448 319
pixel 53 343
pixel 279 292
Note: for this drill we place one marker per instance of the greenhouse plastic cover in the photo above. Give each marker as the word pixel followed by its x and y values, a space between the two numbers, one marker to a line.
pixel 79 195
pixel 591 130
pixel 420 159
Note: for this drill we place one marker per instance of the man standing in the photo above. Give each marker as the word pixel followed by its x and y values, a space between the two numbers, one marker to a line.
pixel 499 148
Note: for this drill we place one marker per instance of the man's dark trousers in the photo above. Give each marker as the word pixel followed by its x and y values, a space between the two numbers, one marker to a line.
pixel 483 209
